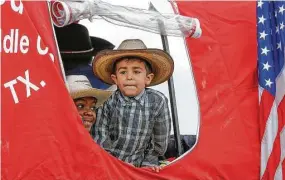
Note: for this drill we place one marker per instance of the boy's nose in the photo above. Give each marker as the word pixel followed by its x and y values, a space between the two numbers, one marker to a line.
pixel 129 75
pixel 88 112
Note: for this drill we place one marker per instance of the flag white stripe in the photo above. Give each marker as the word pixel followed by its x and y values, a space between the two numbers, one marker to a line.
pixel 278 173
pixel 260 91
pixel 269 136
pixel 280 87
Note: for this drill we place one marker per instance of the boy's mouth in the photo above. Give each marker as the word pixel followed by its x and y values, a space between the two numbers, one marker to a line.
pixel 87 120
pixel 87 123
pixel 130 85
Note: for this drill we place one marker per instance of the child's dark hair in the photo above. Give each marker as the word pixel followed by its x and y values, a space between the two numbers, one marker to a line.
pixel 130 58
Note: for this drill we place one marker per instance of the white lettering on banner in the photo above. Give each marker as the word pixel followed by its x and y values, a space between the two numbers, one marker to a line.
pixel 24 42
pixel 10 84
pixel 16 8
pixel 27 82
pixel 40 50
pixel 12 42
pixel 51 57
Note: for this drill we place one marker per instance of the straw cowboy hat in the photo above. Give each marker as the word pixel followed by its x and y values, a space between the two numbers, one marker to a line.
pixel 74 41
pixel 79 86
pixel 162 64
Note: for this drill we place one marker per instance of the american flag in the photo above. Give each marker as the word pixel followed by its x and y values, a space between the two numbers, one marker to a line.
pixel 271 74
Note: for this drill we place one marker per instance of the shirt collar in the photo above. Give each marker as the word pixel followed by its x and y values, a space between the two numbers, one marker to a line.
pixel 139 98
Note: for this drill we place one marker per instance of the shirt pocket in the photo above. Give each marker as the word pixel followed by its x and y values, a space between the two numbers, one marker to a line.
pixel 114 131
pixel 114 126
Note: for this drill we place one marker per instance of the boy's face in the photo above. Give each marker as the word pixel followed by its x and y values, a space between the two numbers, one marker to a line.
pixel 131 76
pixel 86 109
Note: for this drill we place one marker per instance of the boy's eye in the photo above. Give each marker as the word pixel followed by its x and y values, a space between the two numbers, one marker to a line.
pixel 93 108
pixel 123 72
pixel 79 106
pixel 137 72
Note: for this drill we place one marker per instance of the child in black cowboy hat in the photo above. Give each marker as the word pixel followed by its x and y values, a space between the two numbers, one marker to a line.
pixel 77 50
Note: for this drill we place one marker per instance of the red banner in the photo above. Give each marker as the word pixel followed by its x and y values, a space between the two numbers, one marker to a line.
pixel 224 62
pixel 42 135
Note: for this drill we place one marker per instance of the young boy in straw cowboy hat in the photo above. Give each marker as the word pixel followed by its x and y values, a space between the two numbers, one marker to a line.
pixel 86 98
pixel 134 123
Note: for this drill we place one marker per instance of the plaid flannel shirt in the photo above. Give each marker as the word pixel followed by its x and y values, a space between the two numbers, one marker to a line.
pixel 135 130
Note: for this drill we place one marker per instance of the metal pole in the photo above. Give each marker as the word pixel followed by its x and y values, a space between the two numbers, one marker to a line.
pixel 170 87
pixel 173 106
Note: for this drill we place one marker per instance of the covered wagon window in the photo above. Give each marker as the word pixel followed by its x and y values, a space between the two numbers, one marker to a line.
pixel 187 126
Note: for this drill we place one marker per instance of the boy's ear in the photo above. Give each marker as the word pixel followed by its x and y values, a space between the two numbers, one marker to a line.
pixel 114 78
pixel 149 78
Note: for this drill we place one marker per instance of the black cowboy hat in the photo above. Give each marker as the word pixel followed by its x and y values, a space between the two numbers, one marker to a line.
pixel 74 42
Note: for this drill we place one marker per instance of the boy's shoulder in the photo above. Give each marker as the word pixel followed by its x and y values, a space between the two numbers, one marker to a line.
pixel 113 98
pixel 156 94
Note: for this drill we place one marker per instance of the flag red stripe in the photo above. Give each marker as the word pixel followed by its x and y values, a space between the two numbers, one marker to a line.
pixel 273 160
pixel 265 107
